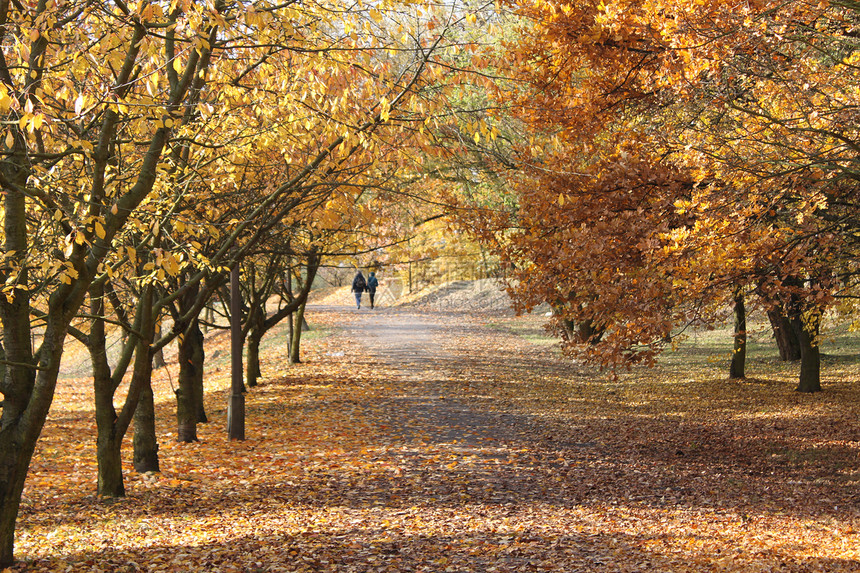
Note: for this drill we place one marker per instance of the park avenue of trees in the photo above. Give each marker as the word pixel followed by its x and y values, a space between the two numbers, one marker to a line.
pixel 642 167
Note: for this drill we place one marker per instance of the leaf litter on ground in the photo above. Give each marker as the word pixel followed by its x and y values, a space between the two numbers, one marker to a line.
pixel 443 442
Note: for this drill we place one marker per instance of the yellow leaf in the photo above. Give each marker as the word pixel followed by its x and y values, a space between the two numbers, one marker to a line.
pixel 385 109
pixel 100 231
pixel 170 265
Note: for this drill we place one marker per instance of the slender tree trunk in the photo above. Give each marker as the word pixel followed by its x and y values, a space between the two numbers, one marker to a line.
pixel 257 317
pixel 208 316
pixel 158 357
pixel 785 336
pixel 291 333
pixel 110 482
pixel 187 392
pixel 112 425
pixel 199 359
pixel 13 472
pixel 252 367
pixel 17 441
pixel 297 336
pixel 108 443
pixel 145 440
pixel 588 332
pixel 806 328
pixel 739 351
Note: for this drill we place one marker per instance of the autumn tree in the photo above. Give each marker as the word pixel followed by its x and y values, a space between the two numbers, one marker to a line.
pixel 659 178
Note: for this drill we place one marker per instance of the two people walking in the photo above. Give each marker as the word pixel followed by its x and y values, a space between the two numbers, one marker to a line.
pixel 359 285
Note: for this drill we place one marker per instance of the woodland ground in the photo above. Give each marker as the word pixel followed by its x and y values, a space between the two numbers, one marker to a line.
pixel 435 440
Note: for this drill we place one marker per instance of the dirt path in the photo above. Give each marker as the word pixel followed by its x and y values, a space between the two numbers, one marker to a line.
pixel 415 349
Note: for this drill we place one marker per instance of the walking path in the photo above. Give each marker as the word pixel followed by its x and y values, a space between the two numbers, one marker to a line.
pixel 483 478
pixel 433 402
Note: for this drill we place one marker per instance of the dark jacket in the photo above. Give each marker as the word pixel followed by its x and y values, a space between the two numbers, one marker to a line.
pixel 358 284
pixel 372 283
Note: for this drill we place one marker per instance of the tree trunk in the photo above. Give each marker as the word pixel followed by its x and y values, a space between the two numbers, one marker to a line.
pixel 158 357
pixel 806 329
pixel 297 336
pixel 199 359
pixel 568 328
pixel 186 392
pixel 107 442
pixel 112 425
pixel 110 482
pixel 252 367
pixel 739 351
pixel 291 333
pixel 588 332
pixel 257 318
pixel 145 441
pixel 784 334
pixel 17 441
pixel 13 472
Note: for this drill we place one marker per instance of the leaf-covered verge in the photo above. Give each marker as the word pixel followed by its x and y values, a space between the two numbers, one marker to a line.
pixel 445 443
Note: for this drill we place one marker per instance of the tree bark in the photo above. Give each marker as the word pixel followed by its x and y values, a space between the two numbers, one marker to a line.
pixel 145 440
pixel 199 359
pixel 806 328
pixel 252 366
pixel 23 413
pixel 257 317
pixel 588 332
pixel 112 425
pixel 107 442
pixel 13 472
pixel 739 350
pixel 158 357
pixel 785 336
pixel 295 355
pixel 186 392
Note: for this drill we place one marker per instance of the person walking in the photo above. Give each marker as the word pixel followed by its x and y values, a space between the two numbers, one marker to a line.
pixel 358 286
pixel 372 283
